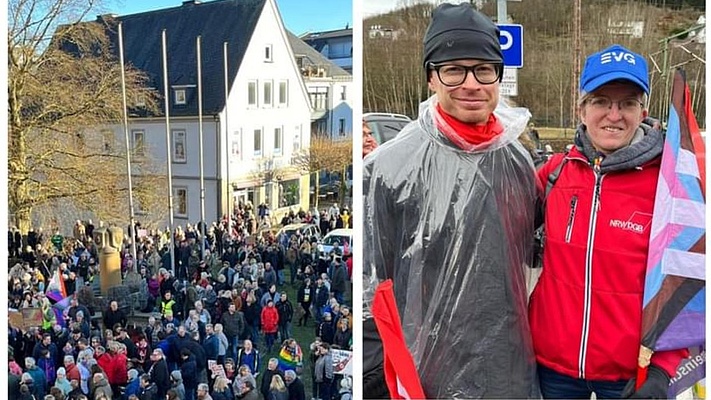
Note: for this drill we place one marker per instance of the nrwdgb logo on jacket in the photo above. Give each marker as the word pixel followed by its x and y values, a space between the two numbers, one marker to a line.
pixel 637 223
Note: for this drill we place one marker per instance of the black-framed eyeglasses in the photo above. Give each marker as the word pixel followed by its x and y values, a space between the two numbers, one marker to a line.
pixel 604 103
pixel 455 75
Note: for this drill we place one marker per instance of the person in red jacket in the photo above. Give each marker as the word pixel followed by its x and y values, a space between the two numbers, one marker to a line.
pixel 586 310
pixel 71 368
pixel 119 373
pixel 270 323
pixel 105 361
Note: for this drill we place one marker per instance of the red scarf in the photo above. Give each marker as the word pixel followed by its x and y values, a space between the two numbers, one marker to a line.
pixel 464 135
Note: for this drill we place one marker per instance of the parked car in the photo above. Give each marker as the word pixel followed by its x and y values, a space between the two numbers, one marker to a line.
pixel 337 237
pixel 385 126
pixel 307 230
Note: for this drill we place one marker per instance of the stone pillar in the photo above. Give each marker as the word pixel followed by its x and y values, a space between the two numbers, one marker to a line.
pixel 108 241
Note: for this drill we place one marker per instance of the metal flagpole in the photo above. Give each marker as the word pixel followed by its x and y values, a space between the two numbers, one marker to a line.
pixel 134 235
pixel 227 146
pixel 202 177
pixel 166 99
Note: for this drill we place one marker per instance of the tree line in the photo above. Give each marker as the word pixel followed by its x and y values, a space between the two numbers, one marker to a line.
pixel 394 79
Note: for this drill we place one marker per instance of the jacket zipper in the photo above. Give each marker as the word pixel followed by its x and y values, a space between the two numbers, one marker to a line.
pixel 571 218
pixel 595 207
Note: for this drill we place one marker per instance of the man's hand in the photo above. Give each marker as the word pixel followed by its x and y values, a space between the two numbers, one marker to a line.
pixel 656 386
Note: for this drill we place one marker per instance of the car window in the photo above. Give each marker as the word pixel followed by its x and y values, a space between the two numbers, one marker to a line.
pixel 336 240
pixel 384 130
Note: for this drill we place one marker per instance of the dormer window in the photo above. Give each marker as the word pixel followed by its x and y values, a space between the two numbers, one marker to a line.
pixel 268 56
pixel 140 100
pixel 180 97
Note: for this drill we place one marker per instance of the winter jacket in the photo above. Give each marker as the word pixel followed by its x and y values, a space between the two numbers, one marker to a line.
pixel 270 319
pixel 339 278
pixel 286 312
pixel 212 347
pixel 103 388
pixel 232 324
pixel 453 229
pixel 597 226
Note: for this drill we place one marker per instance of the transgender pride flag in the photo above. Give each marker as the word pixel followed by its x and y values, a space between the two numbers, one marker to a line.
pixel 55 287
pixel 675 287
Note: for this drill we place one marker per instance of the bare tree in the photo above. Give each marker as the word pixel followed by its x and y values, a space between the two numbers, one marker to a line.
pixel 392 50
pixel 64 89
pixel 325 154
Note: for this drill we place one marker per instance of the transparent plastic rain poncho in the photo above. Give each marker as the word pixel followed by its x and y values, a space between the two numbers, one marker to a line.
pixel 453 229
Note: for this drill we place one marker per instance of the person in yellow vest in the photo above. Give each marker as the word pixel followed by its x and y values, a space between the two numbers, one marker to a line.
pixel 48 317
pixel 167 304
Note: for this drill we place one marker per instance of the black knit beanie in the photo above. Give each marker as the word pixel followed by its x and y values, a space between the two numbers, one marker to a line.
pixel 459 32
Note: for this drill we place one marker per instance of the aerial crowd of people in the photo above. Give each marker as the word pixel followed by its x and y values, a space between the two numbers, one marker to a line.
pixel 218 324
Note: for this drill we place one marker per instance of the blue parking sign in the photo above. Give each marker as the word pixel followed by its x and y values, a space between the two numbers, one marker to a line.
pixel 511 39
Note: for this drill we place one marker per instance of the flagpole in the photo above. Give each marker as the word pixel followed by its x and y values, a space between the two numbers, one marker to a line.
pixel 227 145
pixel 166 99
pixel 202 177
pixel 132 225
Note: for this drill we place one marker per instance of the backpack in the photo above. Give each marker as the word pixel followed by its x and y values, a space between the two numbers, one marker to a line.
pixel 539 235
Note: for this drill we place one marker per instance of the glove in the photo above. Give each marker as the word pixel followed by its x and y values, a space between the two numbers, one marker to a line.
pixel 656 386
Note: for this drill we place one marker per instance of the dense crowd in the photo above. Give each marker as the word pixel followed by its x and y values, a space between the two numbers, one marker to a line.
pixel 220 324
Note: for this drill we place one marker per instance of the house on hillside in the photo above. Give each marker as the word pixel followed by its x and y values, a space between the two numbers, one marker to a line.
pixel 330 89
pixel 249 139
pixel 336 45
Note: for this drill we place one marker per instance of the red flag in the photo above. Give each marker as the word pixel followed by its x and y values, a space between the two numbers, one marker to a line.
pixel 400 373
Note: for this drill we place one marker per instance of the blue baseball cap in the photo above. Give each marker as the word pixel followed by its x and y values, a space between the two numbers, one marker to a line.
pixel 614 63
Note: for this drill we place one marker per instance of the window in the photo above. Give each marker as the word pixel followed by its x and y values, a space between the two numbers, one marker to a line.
pixel 235 152
pixel 342 126
pixel 180 96
pixel 283 92
pixel 138 142
pixel 138 207
pixel 343 92
pixel 140 100
pixel 268 93
pixel 252 93
pixel 277 140
pixel 268 53
pixel 179 150
pixel 180 209
pixel 297 138
pixel 319 99
pixel 108 137
pixel 257 142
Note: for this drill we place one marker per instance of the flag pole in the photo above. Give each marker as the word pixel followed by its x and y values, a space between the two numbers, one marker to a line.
pixel 202 176
pixel 227 145
pixel 166 100
pixel 132 225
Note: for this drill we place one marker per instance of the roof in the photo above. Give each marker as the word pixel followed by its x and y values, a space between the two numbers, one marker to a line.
pixel 216 22
pixel 313 57
pixel 340 232
pixel 327 34
pixel 318 40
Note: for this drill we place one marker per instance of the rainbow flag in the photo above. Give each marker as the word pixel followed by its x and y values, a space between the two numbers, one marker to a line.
pixel 290 358
pixel 675 287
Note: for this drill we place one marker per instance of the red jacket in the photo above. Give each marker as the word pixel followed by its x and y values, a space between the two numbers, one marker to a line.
pixel 106 363
pixel 586 310
pixel 120 369
pixel 73 373
pixel 270 319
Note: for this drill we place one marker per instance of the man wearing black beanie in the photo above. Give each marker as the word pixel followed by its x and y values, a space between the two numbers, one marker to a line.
pixel 449 214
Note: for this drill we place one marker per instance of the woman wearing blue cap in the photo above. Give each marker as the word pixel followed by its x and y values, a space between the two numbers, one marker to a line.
pixel 585 312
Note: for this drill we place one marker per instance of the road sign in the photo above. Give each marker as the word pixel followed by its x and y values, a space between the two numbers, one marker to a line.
pixel 509 82
pixel 511 39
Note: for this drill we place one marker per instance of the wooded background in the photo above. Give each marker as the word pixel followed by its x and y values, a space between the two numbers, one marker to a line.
pixel 394 80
